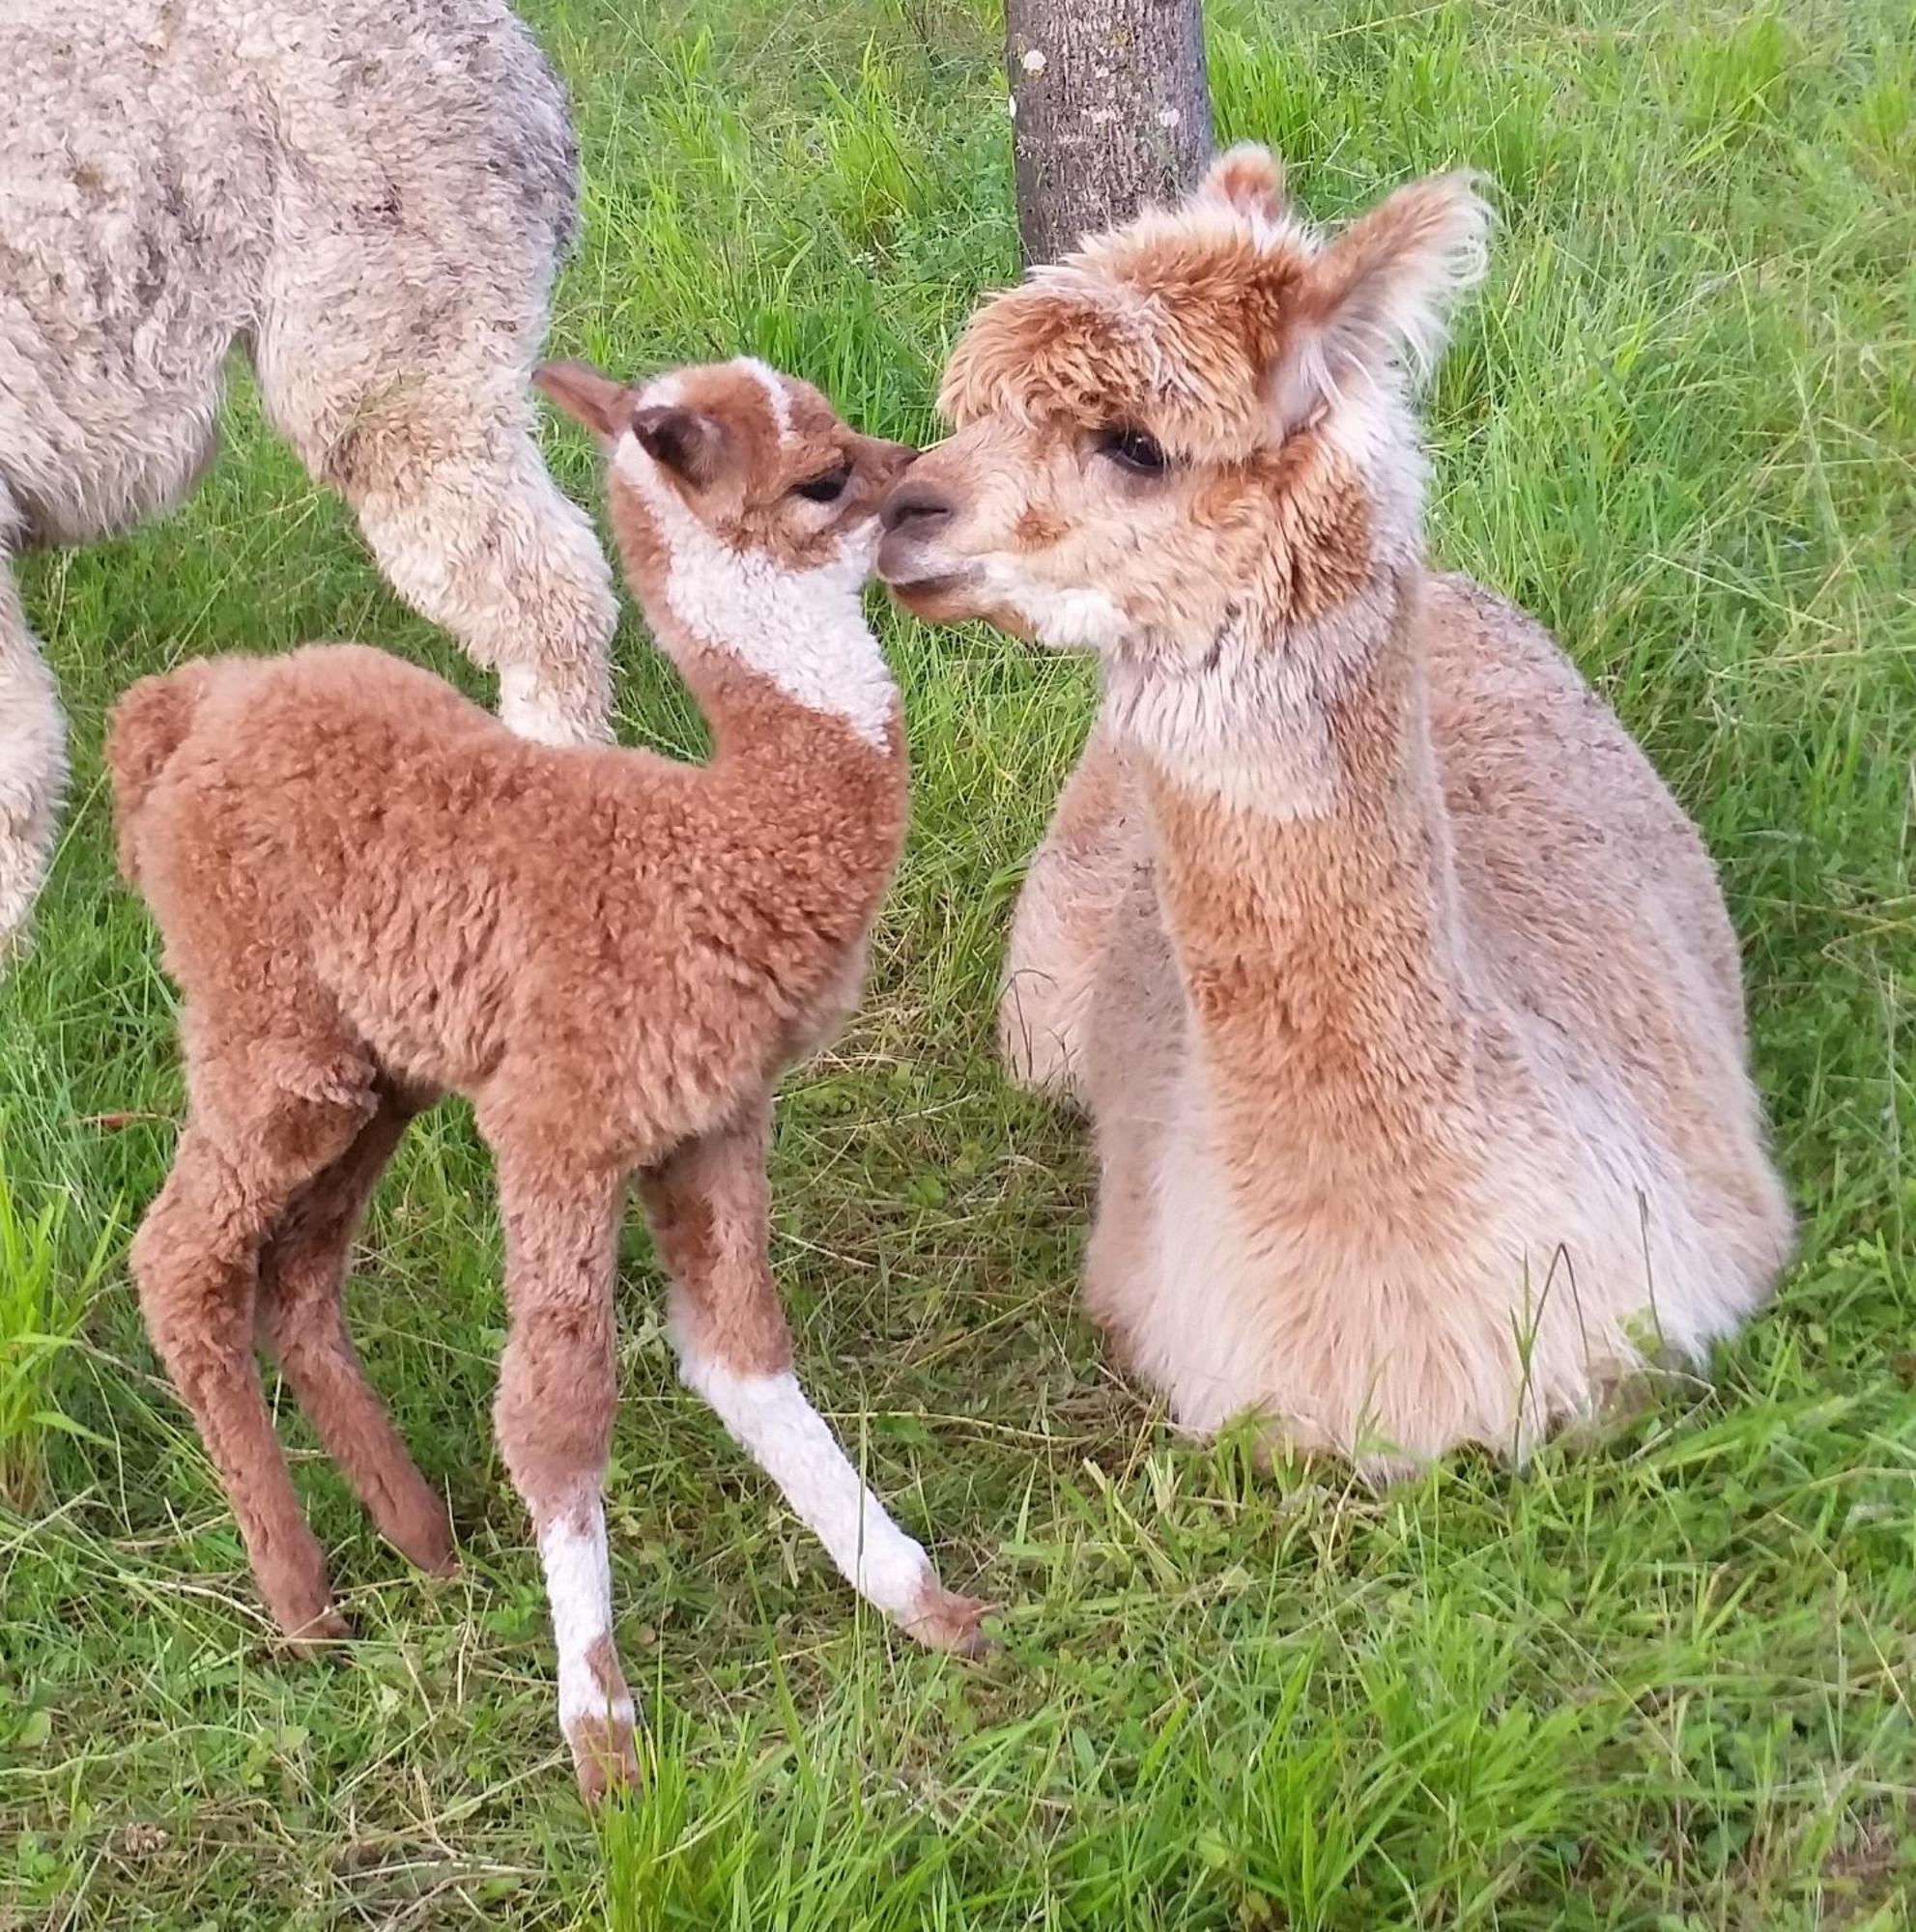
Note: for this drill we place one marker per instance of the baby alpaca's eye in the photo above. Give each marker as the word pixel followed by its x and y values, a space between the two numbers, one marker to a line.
pixel 824 489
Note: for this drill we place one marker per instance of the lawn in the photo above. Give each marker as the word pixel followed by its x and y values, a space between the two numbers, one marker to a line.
pixel 1660 1678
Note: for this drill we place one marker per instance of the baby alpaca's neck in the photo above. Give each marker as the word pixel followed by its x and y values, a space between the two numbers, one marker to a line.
pixel 806 666
pixel 809 769
pixel 800 633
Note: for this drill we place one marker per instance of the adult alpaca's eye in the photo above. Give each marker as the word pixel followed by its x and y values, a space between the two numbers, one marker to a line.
pixel 825 488
pixel 1134 451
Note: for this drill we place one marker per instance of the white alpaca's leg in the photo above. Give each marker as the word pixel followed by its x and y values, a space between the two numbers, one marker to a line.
pixel 482 541
pixel 433 447
pixel 1077 880
pixel 709 1205
pixel 33 762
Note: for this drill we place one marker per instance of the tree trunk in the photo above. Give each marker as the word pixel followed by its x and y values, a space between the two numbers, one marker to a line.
pixel 1112 111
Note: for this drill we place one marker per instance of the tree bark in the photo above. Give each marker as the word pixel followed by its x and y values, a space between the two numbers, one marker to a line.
pixel 1112 108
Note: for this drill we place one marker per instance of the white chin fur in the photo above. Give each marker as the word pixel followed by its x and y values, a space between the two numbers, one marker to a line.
pixel 858 552
pixel 1063 621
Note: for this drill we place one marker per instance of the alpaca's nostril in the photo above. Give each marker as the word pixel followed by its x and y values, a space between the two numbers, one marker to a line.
pixel 919 507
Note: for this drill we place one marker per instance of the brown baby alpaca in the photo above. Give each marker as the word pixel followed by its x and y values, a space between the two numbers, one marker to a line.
pixel 371 894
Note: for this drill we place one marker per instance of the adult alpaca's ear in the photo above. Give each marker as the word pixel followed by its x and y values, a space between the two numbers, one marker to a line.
pixel 593 401
pixel 1379 298
pixel 1247 178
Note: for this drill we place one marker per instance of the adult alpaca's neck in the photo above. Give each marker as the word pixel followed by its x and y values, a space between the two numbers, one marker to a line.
pixel 1305 873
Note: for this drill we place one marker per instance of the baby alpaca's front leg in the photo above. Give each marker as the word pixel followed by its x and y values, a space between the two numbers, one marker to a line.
pixel 556 1397
pixel 710 1207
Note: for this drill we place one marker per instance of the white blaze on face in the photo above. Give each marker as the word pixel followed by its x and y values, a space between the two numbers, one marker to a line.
pixel 578 1568
pixel 776 395
pixel 789 1440
pixel 802 630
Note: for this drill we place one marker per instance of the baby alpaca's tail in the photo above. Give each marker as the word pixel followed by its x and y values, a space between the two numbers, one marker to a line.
pixel 147 726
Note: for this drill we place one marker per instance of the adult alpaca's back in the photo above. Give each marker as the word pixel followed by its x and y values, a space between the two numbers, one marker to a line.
pixel 370 197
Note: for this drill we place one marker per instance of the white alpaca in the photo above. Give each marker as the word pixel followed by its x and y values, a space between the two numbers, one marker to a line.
pixel 371 197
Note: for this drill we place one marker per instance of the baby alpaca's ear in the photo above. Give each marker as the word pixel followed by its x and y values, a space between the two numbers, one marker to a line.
pixel 1247 178
pixel 687 441
pixel 594 401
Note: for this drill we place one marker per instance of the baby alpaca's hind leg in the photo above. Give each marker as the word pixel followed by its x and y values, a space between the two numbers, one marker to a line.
pixel 195 1259
pixel 33 757
pixel 710 1209
pixel 557 1393
pixel 303 1322
pixel 457 505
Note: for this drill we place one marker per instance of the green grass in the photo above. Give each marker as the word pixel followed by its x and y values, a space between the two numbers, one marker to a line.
pixel 1661 1679
pixel 46 1289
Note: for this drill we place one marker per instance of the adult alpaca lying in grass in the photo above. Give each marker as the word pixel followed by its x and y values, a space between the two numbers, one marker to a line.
pixel 1400 992
pixel 371 892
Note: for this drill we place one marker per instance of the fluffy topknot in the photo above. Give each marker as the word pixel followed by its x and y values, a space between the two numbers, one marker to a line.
pixel 1217 325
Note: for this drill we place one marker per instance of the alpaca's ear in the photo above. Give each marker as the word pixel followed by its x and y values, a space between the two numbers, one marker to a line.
pixel 1247 178
pixel 594 401
pixel 685 442
pixel 1379 295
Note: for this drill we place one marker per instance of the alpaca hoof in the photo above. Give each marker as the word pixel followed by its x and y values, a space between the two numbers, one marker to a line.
pixel 298 1592
pixel 301 1600
pixel 439 1563
pixel 942 1620
pixel 606 1758
pixel 425 1538
pixel 312 1633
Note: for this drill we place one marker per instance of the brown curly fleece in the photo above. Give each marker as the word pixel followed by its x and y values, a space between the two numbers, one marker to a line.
pixel 371 894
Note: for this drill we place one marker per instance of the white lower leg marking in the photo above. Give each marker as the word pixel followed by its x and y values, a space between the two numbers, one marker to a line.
pixel 789 1440
pixel 526 707
pixel 579 1582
